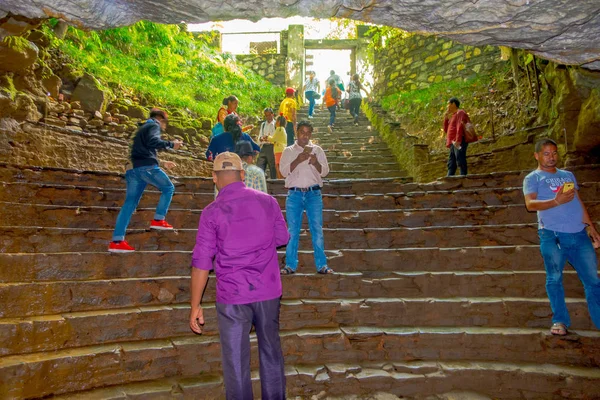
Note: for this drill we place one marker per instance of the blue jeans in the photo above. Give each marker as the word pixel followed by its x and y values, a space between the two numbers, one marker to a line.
pixel 289 130
pixel 576 248
pixel 311 101
pixel 332 114
pixel 295 204
pixel 458 158
pixel 137 179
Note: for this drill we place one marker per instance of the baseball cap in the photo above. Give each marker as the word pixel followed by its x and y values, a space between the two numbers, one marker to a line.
pixel 227 162
pixel 290 91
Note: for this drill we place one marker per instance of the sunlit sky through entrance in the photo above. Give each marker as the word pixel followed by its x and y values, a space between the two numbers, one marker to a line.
pixel 268 30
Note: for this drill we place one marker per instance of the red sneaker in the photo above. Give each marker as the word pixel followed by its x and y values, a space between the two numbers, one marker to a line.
pixel 121 247
pixel 162 224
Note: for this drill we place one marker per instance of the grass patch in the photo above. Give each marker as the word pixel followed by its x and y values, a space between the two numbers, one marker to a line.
pixel 167 66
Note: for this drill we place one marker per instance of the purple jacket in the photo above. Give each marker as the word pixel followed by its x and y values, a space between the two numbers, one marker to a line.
pixel 241 231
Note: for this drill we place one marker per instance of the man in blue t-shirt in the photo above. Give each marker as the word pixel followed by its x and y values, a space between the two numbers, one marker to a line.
pixel 562 220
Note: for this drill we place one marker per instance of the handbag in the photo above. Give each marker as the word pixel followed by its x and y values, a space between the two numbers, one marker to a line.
pixel 316 96
pixel 470 134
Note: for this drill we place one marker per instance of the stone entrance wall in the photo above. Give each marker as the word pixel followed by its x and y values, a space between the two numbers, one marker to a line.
pixel 418 61
pixel 269 66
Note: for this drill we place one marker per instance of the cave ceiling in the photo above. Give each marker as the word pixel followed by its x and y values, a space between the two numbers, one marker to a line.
pixel 564 31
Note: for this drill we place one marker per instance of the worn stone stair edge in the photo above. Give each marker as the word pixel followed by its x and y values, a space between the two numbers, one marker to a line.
pixel 293 302
pixel 327 210
pixel 366 230
pixel 333 252
pixel 208 179
pixel 409 193
pixel 416 370
pixel 346 331
pixel 366 276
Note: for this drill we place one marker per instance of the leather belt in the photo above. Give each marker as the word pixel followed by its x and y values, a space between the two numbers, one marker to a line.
pixel 308 189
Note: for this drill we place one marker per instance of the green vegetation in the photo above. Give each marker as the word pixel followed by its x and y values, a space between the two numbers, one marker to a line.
pixel 167 66
pixel 421 111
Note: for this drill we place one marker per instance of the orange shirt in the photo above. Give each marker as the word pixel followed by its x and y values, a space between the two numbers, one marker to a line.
pixel 329 100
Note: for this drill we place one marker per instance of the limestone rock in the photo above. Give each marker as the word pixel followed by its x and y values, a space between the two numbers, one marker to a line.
pixel 138 112
pixel 26 109
pixel 89 94
pixel 9 125
pixel 588 126
pixel 52 84
pixel 17 54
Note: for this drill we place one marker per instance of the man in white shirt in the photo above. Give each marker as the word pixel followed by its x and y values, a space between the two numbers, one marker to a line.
pixel 267 155
pixel 304 165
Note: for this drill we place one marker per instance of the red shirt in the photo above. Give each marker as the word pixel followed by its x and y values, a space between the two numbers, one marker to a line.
pixel 455 128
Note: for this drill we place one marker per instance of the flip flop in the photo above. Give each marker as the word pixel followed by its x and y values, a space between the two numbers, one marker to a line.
pixel 287 271
pixel 325 271
pixel 559 329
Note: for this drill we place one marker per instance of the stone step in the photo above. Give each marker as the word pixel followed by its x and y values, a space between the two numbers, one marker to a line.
pixel 17 214
pixel 411 380
pixel 41 267
pixel 55 297
pixel 349 345
pixel 113 197
pixel 381 173
pixel 18 239
pixel 358 159
pixel 95 327
pixel 49 176
pixel 338 166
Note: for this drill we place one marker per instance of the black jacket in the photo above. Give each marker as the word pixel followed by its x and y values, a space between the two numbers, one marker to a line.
pixel 147 140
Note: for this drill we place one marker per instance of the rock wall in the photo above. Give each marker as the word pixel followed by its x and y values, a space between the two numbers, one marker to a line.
pixel 508 153
pixel 269 66
pixel 415 62
pixel 570 104
pixel 46 146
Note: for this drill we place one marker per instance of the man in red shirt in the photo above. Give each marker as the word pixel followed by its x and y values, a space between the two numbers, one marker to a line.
pixel 454 126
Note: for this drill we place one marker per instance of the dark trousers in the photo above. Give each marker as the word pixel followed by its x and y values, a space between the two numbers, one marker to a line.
pixel 267 157
pixel 289 129
pixel 458 157
pixel 235 322
pixel 332 115
pixel 355 108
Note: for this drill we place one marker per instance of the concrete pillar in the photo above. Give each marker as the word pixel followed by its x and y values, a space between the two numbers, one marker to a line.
pixel 295 57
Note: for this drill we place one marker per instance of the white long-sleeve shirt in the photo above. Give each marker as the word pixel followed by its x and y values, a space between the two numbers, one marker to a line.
pixel 304 175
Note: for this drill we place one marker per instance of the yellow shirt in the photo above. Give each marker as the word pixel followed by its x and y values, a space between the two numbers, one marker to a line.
pixel 279 140
pixel 288 108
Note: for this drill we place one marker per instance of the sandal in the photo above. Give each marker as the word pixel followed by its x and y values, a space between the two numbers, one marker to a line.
pixel 559 329
pixel 287 271
pixel 325 271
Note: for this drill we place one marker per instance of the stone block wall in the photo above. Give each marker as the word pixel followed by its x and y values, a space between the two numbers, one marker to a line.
pixel 417 61
pixel 269 66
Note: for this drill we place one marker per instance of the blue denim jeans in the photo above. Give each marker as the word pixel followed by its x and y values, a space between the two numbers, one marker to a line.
pixel 557 248
pixel 458 158
pixel 289 130
pixel 311 101
pixel 137 179
pixel 332 114
pixel 295 204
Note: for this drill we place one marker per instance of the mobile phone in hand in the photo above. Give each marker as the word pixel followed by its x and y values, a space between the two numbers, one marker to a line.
pixel 568 187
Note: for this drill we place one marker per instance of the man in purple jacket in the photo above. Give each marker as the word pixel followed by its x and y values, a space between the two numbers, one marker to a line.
pixel 240 231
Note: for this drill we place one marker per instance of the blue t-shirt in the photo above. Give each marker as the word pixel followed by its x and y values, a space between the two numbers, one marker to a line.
pixel 568 217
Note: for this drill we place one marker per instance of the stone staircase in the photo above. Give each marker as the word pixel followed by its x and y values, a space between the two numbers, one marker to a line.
pixel 439 289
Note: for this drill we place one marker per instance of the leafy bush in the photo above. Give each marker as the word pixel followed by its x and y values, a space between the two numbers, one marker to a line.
pixel 168 66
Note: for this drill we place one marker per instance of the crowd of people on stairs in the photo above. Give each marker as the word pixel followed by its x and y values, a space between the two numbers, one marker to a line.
pixel 247 269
